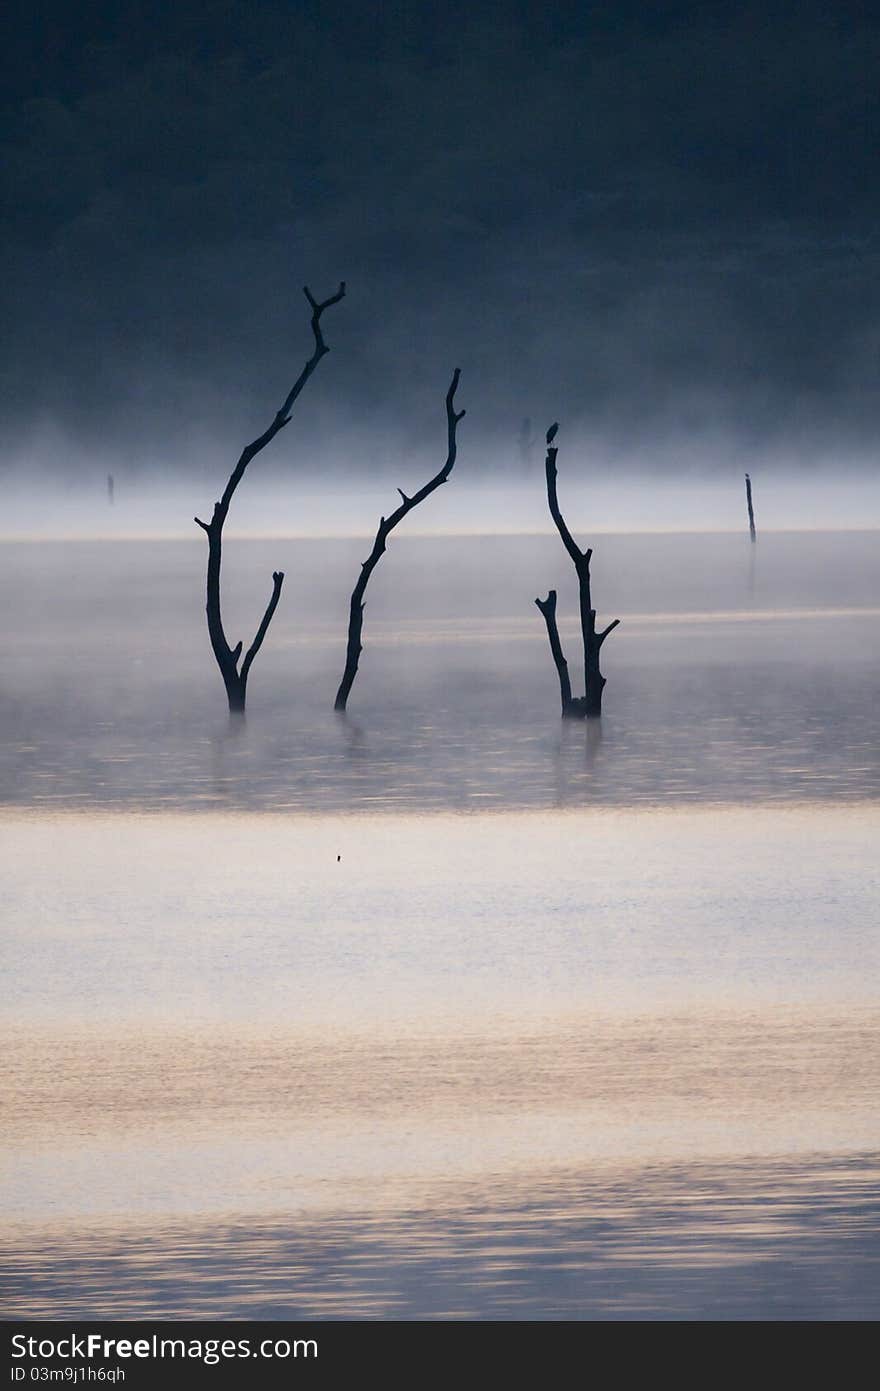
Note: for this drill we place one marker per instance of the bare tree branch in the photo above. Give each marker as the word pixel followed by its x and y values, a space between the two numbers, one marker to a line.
pixel 320 346
pixel 600 637
pixel 227 658
pixel 282 416
pixel 386 526
pixel 577 555
pixel 277 582
pixel 548 609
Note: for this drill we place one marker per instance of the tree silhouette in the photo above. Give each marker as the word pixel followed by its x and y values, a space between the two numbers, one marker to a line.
pixel 235 678
pixel 386 526
pixel 590 704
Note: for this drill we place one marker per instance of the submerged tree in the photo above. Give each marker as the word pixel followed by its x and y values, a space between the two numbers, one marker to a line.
pixel 235 677
pixel 590 704
pixel 386 526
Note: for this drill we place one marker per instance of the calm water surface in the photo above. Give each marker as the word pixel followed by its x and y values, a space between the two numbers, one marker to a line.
pixel 442 1010
pixel 733 676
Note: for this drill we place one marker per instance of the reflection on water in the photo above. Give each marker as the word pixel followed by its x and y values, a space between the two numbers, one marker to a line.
pixel 738 1241
pixel 303 1119
pixel 593 1063
pixel 605 1046
pixel 121 918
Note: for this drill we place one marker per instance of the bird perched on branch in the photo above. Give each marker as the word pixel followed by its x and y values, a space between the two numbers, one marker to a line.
pixel 551 433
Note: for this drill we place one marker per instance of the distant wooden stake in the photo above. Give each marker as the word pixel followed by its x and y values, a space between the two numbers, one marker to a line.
pixel 752 531
pixel 110 488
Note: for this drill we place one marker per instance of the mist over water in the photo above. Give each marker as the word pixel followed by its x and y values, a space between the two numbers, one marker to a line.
pixel 287 1034
pixel 737 672
pixel 444 1008
pixel 315 488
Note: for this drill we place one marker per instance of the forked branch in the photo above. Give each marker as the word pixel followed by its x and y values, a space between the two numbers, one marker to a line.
pixel 277 582
pixel 591 702
pixel 227 657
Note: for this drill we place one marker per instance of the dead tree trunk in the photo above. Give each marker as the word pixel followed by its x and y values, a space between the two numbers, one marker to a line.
pixel 235 678
pixel 589 705
pixel 386 526
pixel 752 533
pixel 548 609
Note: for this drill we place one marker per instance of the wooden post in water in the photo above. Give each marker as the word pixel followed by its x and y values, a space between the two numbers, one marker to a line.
pixel 752 533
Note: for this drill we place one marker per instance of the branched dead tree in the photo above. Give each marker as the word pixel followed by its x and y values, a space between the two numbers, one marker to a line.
pixel 752 533
pixel 235 678
pixel 590 704
pixel 386 526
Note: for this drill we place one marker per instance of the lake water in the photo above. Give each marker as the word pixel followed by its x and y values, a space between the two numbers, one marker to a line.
pixel 443 1009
